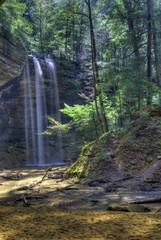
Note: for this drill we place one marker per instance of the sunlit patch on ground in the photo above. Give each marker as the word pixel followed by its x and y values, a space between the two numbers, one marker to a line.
pixel 43 220
pixel 50 223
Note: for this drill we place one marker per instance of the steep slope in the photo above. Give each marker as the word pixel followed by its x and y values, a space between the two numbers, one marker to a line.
pixel 130 158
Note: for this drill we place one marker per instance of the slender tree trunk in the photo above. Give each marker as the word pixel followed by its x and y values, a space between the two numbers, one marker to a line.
pixel 95 99
pixel 66 35
pixel 95 71
pixel 120 112
pixel 134 41
pixel 149 54
pixel 79 42
pixel 41 41
pixel 80 35
pixel 94 122
pixel 155 46
pixel 73 34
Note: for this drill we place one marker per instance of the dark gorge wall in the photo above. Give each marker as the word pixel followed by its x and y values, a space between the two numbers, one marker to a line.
pixel 12 60
pixel 12 112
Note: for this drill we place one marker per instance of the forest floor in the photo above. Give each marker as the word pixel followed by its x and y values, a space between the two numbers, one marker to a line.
pixel 59 208
pixel 52 224
pixel 117 170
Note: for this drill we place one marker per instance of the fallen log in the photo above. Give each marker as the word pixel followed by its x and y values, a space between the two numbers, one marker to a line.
pixel 34 183
pixel 49 169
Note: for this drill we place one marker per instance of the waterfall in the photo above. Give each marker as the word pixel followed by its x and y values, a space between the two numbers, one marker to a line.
pixel 29 119
pixel 38 149
pixel 54 85
pixel 39 111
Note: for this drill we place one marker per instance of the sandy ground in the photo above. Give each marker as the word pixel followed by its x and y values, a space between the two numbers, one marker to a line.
pixel 53 224
pixel 45 218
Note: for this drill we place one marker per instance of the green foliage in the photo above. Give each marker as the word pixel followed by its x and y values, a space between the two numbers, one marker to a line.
pixel 150 180
pixel 82 116
pixel 149 160
pixel 56 128
pixel 61 29
pixel 73 87
pixel 13 21
pixel 101 157
pixel 105 138
pixel 93 155
pixel 122 132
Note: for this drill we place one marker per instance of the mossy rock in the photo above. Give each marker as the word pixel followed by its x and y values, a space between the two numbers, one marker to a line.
pixel 128 207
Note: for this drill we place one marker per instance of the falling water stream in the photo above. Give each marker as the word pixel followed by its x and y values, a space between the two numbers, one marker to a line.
pixel 38 149
pixel 30 137
pixel 54 84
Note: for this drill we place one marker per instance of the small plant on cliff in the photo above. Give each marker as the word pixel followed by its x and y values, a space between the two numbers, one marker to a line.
pixel 82 119
pixel 56 128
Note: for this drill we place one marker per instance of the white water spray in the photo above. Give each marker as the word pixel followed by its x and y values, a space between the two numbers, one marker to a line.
pixel 29 119
pixel 39 111
pixel 54 82
pixel 38 151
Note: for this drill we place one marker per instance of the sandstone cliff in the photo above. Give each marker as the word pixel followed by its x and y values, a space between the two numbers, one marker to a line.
pixel 12 59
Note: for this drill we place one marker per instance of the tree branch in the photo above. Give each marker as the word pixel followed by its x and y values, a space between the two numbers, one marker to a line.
pixel 137 49
pixel 79 13
pixel 86 2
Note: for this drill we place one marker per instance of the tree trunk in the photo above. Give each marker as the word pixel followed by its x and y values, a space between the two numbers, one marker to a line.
pixel 149 54
pixel 66 36
pixel 94 122
pixel 134 42
pixel 41 26
pixel 95 99
pixel 155 46
pixel 73 35
pixel 79 42
pixel 95 73
pixel 120 110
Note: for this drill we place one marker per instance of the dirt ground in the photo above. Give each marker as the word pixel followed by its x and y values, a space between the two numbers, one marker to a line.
pixel 53 224
pixel 55 214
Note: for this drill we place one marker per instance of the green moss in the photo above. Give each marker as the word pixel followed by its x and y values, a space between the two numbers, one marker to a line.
pixel 115 183
pixel 139 144
pixel 149 160
pixel 101 157
pixel 151 180
pixel 92 154
pixel 105 138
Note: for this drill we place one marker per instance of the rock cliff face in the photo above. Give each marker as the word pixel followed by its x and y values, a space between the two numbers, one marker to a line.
pixel 12 120
pixel 12 60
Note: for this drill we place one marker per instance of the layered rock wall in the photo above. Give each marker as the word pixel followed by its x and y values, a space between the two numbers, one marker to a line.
pixel 12 121
pixel 12 60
